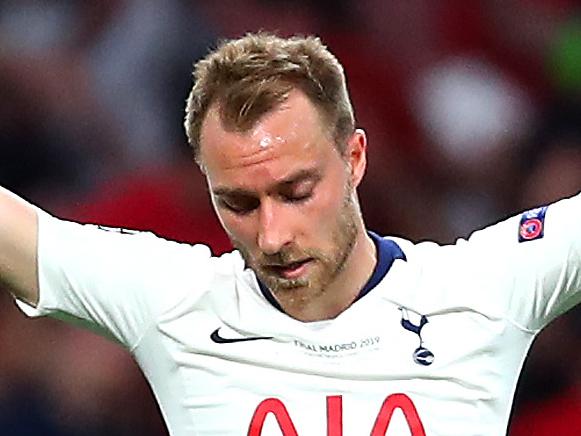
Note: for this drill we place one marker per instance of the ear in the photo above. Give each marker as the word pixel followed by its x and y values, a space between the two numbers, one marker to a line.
pixel 356 155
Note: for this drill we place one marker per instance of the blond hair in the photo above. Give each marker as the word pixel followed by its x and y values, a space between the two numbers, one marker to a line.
pixel 252 75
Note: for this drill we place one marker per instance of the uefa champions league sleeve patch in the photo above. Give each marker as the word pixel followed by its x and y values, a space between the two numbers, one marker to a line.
pixel 532 224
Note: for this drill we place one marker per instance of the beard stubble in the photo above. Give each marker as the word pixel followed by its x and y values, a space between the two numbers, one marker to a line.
pixel 327 267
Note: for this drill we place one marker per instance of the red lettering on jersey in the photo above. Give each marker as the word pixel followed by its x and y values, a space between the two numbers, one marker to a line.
pixel 277 408
pixel 405 404
pixel 335 415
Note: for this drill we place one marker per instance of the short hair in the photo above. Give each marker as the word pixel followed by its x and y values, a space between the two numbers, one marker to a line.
pixel 250 76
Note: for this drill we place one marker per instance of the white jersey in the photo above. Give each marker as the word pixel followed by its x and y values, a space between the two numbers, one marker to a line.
pixel 433 345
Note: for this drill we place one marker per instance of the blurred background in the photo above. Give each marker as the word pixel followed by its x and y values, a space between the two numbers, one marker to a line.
pixel 472 108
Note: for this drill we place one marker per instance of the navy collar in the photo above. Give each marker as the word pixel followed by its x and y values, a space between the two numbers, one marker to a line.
pixel 387 252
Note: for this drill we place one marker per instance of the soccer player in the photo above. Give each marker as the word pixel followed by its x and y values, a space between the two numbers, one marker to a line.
pixel 314 325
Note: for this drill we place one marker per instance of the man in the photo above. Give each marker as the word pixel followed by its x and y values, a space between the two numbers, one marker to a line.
pixel 313 325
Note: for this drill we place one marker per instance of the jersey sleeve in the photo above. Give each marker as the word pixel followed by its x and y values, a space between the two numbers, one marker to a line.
pixel 530 264
pixel 113 281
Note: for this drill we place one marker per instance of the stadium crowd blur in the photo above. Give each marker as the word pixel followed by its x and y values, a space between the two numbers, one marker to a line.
pixel 473 112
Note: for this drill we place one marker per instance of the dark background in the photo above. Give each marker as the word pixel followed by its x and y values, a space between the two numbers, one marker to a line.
pixel 472 109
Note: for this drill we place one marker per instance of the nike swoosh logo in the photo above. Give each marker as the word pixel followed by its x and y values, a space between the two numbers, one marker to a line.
pixel 215 336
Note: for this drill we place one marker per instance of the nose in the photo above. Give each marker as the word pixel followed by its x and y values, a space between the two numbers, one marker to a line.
pixel 274 228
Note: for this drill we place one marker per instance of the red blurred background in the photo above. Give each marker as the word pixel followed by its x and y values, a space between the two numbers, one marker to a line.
pixel 473 112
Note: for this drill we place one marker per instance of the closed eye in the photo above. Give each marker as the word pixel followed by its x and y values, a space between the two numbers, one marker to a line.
pixel 240 206
pixel 300 190
pixel 297 198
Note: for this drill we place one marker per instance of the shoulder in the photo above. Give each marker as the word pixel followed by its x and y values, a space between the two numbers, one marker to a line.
pixel 436 277
pixel 127 256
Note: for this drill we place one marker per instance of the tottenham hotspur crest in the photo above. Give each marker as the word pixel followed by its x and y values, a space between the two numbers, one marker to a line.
pixel 421 355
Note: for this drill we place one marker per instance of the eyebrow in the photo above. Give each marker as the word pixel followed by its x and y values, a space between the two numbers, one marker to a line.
pixel 297 177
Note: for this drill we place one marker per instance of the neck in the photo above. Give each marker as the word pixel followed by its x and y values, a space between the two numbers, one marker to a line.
pixel 344 289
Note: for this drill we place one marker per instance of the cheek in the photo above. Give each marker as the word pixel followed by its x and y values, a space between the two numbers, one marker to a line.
pixel 237 229
pixel 324 212
pixel 233 226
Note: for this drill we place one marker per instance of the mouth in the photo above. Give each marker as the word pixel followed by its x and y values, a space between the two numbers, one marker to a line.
pixel 291 270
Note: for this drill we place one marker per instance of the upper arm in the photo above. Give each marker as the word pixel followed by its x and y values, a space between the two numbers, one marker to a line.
pixel 117 283
pixel 18 247
pixel 536 278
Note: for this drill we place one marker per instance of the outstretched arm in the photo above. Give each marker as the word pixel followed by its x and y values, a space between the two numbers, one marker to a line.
pixel 18 247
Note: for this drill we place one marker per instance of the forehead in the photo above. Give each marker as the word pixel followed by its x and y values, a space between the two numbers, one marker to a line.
pixel 283 141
